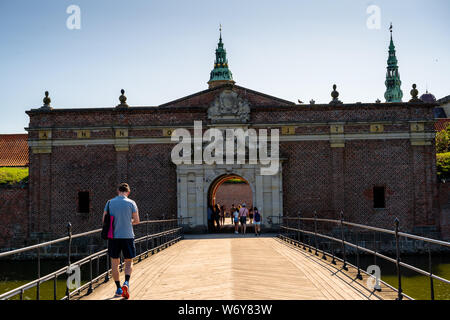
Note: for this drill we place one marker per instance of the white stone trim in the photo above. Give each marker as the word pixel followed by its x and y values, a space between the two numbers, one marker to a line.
pixel 287 138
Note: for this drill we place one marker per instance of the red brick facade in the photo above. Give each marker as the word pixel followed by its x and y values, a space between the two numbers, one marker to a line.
pixel 13 216
pixel 321 171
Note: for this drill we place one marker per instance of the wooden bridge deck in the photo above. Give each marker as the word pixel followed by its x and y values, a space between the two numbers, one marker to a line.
pixel 233 267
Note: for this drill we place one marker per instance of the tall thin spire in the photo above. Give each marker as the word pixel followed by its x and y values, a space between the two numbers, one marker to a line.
pixel 220 74
pixel 393 91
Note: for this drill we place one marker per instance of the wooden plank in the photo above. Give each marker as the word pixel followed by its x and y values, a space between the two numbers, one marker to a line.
pixel 233 267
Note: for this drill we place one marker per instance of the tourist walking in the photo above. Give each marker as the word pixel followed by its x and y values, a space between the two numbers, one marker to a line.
pixel 217 216
pixel 222 215
pixel 257 221
pixel 233 208
pixel 210 213
pixel 236 220
pixel 243 214
pixel 124 214
pixel 250 215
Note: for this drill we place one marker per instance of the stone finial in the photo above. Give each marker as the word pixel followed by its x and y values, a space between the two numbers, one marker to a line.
pixel 414 94
pixel 312 101
pixel 335 96
pixel 123 100
pixel 47 101
pixel 378 101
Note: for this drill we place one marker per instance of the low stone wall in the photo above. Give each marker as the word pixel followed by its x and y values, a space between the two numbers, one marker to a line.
pixel 14 218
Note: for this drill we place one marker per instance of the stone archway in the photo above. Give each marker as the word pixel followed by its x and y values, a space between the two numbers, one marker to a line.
pixel 194 182
pixel 222 181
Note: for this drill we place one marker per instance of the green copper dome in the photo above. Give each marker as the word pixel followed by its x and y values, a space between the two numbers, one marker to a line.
pixel 220 74
pixel 393 91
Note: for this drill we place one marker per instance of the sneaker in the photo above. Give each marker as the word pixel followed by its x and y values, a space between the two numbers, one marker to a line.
pixel 126 290
pixel 236 232
pixel 119 292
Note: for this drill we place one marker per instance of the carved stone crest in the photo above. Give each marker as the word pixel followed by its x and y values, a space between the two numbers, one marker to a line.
pixel 228 107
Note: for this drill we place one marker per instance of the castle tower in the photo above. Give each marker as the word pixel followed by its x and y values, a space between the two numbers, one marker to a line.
pixel 393 91
pixel 220 74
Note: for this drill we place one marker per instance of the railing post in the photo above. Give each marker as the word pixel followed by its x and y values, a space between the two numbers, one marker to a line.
pixel 38 286
pixel 146 234
pixel 375 248
pixel 90 276
pixel 69 233
pixel 182 228
pixel 397 247
pixel 55 279
pixel 279 224
pixel 315 232
pixel 107 267
pixel 332 253
pixel 344 266
pixel 309 243
pixel 358 276
pixel 430 266
pixel 98 266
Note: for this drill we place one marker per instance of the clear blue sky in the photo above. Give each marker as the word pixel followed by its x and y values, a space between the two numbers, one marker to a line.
pixel 160 50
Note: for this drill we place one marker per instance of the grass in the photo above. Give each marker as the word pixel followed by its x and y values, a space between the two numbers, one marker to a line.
pixel 11 176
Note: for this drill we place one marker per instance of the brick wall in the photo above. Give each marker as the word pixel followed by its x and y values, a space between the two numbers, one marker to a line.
pixel 315 175
pixel 13 216
pixel 237 193
pixel 98 170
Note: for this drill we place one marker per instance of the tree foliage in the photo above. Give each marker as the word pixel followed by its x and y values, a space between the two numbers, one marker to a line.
pixel 11 176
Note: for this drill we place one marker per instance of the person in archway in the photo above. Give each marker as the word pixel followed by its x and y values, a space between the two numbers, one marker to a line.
pixel 233 208
pixel 210 214
pixel 222 215
pixel 243 214
pixel 257 221
pixel 235 215
pixel 217 216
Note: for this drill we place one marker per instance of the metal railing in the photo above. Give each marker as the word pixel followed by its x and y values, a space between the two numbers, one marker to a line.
pixel 294 227
pixel 169 232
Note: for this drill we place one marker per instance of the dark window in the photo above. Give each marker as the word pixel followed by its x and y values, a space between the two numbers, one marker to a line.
pixel 83 202
pixel 379 198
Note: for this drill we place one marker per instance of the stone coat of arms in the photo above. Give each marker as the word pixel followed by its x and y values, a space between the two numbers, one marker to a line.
pixel 228 107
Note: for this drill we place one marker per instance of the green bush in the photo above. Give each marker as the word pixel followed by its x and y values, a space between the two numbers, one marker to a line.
pixel 11 176
pixel 442 141
pixel 443 165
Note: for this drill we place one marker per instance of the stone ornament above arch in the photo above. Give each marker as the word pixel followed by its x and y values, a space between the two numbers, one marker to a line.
pixel 229 107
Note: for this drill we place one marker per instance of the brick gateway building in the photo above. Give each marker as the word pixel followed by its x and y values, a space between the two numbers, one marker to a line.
pixel 374 161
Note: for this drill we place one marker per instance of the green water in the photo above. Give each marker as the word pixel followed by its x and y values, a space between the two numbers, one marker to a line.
pixel 14 274
pixel 413 284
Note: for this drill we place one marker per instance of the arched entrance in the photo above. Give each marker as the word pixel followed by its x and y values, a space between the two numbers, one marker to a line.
pixel 226 191
pixel 230 189
pixel 196 185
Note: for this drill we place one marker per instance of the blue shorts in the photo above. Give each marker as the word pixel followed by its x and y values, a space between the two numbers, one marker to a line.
pixel 126 246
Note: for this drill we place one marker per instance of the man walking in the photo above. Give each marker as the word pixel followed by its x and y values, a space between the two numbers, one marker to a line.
pixel 243 213
pixel 125 214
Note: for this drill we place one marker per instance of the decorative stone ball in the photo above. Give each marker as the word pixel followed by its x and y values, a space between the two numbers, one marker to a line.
pixel 122 98
pixel 334 94
pixel 414 92
pixel 47 99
